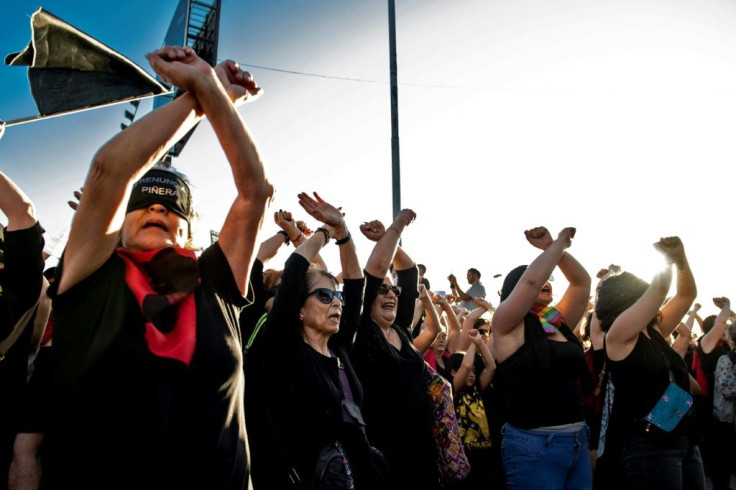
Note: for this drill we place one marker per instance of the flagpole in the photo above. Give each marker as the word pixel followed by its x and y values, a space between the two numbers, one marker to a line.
pixel 30 119
pixel 395 163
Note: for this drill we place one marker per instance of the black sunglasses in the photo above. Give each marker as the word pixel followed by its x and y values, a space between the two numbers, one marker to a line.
pixel 385 288
pixel 325 295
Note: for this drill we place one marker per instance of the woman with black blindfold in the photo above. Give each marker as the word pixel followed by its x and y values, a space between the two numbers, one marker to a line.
pixel 311 326
pixel 149 379
pixel 540 367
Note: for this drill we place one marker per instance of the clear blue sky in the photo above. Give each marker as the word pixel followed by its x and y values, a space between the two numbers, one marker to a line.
pixel 614 117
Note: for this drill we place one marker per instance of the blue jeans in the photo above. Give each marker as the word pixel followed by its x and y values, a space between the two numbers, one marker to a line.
pixel 652 464
pixel 550 460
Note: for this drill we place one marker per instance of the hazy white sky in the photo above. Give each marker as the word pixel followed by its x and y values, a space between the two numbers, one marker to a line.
pixel 614 117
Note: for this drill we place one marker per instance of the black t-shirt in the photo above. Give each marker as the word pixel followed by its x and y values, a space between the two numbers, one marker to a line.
pixel 250 315
pixel 541 382
pixel 20 287
pixel 639 381
pixel 125 418
pixel 396 405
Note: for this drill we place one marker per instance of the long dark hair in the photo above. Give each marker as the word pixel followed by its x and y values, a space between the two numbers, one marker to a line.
pixel 616 295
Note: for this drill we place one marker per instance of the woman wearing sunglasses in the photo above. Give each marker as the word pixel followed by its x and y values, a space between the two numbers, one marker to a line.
pixel 314 396
pixel 396 407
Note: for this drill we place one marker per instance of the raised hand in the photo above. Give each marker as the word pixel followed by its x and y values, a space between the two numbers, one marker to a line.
pixel 452 279
pixel 423 296
pixel 321 210
pixel 539 237
pixel 281 216
pixel 672 248
pixel 407 215
pixel 284 221
pixel 566 235
pixel 304 228
pixel 373 230
pixel 721 301
pixel 439 300
pixel 179 66
pixel 78 196
pixel 482 303
pixel 238 84
pixel 612 270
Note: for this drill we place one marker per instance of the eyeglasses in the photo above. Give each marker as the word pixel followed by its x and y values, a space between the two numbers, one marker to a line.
pixel 385 288
pixel 325 295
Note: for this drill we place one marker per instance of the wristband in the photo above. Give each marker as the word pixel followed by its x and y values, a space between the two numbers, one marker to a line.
pixel 326 233
pixel 286 236
pixel 343 240
pixel 298 240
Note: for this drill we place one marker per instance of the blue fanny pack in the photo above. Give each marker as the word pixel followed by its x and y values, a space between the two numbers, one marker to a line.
pixel 670 409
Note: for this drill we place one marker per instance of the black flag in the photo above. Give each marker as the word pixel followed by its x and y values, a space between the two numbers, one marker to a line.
pixel 70 71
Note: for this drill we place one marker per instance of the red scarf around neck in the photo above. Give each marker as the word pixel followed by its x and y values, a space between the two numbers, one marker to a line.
pixel 160 279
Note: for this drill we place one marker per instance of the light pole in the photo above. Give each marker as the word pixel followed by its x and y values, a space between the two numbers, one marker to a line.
pixel 395 164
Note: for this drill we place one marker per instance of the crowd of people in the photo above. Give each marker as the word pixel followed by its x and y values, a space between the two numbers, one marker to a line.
pixel 141 362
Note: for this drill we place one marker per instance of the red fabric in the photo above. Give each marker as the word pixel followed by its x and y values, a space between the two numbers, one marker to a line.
pixel 432 359
pixel 700 374
pixel 49 331
pixel 595 398
pixel 154 294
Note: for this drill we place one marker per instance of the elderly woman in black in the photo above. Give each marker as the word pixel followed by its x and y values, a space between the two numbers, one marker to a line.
pixel 642 365
pixel 391 369
pixel 540 364
pixel 314 396
pixel 147 353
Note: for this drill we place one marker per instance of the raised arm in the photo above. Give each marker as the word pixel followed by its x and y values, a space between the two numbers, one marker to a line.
pixel 16 206
pixel 683 339
pixel 387 241
pixel 510 313
pixel 710 340
pixel 22 257
pixel 693 316
pixel 456 288
pixel 115 167
pixel 453 325
pixel 489 364
pixel 482 306
pixel 424 340
pixel 217 91
pixel 686 290
pixel 335 225
pixel 461 375
pixel 290 232
pixel 575 300
pixel 625 329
